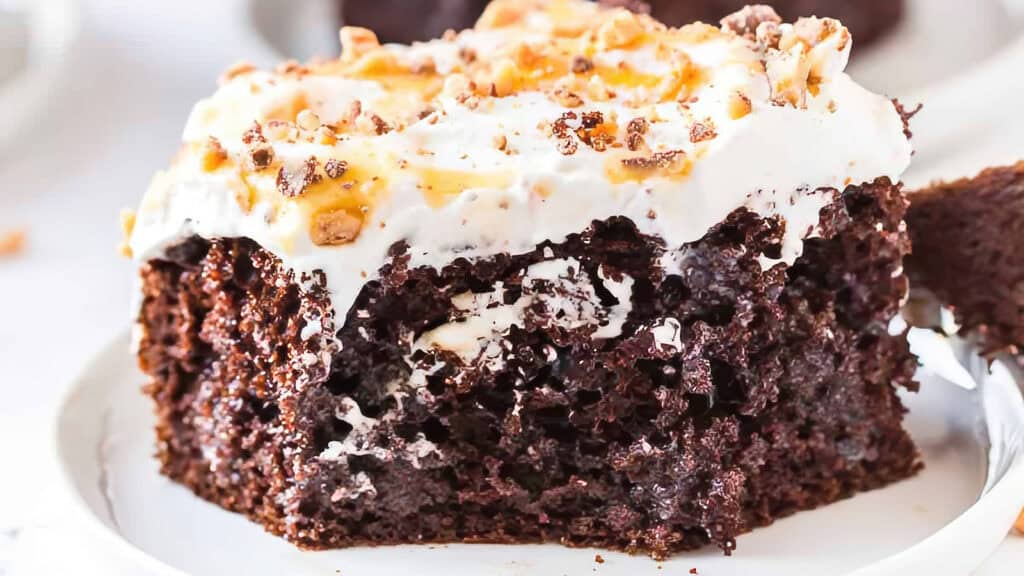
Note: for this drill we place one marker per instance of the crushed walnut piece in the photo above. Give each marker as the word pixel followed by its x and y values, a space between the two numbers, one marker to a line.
pixel 582 65
pixel 335 168
pixel 293 181
pixel 702 131
pixel 739 105
pixel 261 153
pixel 212 154
pixel 635 131
pixel 12 242
pixel 567 98
pixel 335 228
pixel 656 161
pixel 307 120
pixel 746 21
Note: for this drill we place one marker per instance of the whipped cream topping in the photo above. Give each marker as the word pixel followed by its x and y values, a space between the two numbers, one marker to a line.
pixel 548 115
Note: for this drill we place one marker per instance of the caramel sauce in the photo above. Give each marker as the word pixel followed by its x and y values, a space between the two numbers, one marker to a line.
pixel 619 173
pixel 439 186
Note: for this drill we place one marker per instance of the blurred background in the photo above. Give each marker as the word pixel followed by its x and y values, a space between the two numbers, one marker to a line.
pixel 94 93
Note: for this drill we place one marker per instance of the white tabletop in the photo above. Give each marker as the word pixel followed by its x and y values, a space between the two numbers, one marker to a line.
pixel 113 118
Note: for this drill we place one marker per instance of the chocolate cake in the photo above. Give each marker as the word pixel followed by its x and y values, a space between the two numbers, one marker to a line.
pixel 569 276
pixel 409 20
pixel 967 236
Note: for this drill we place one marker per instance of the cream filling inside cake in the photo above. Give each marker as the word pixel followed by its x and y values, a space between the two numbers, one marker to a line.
pixel 546 117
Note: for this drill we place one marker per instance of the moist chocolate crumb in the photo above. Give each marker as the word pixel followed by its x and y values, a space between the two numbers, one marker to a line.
pixel 598 558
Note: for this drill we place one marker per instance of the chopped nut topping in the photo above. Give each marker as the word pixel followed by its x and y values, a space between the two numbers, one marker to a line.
pixel 212 155
pixel 500 142
pixel 12 242
pixel 739 106
pixel 567 146
pixel 278 130
pixel 702 131
pixel 293 181
pixel 582 65
pixel 379 125
pixel 335 228
pixel 746 21
pixel 658 160
pixel 619 31
pixel 567 98
pixel 261 154
pixel 355 42
pixel 307 120
pixel 506 77
pixel 335 168
pixel 635 131
pixel 237 69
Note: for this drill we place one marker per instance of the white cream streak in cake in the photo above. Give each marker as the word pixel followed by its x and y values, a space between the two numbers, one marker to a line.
pixel 554 292
pixel 548 116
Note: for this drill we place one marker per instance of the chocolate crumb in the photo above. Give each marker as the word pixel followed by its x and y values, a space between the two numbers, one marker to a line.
pixel 702 131
pixel 261 154
pixel 293 182
pixel 906 115
pixel 335 168
pixel 598 559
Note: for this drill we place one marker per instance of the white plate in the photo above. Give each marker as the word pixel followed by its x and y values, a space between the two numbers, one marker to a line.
pixel 943 521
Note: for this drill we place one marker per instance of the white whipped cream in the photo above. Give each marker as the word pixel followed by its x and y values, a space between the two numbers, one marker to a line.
pixel 484 175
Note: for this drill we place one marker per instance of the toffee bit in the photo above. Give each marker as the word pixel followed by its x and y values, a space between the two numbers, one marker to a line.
pixel 12 242
pixel 582 65
pixel 567 98
pixel 658 160
pixel 335 168
pixel 235 70
pixel 213 154
pixel 293 182
pixel 745 21
pixel 335 228
pixel 702 131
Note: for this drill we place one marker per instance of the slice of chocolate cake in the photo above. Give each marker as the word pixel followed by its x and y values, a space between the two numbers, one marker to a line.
pixel 569 276
pixel 968 236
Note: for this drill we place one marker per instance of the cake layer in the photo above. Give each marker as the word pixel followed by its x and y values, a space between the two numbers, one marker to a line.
pixel 968 236
pixel 578 392
pixel 545 117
